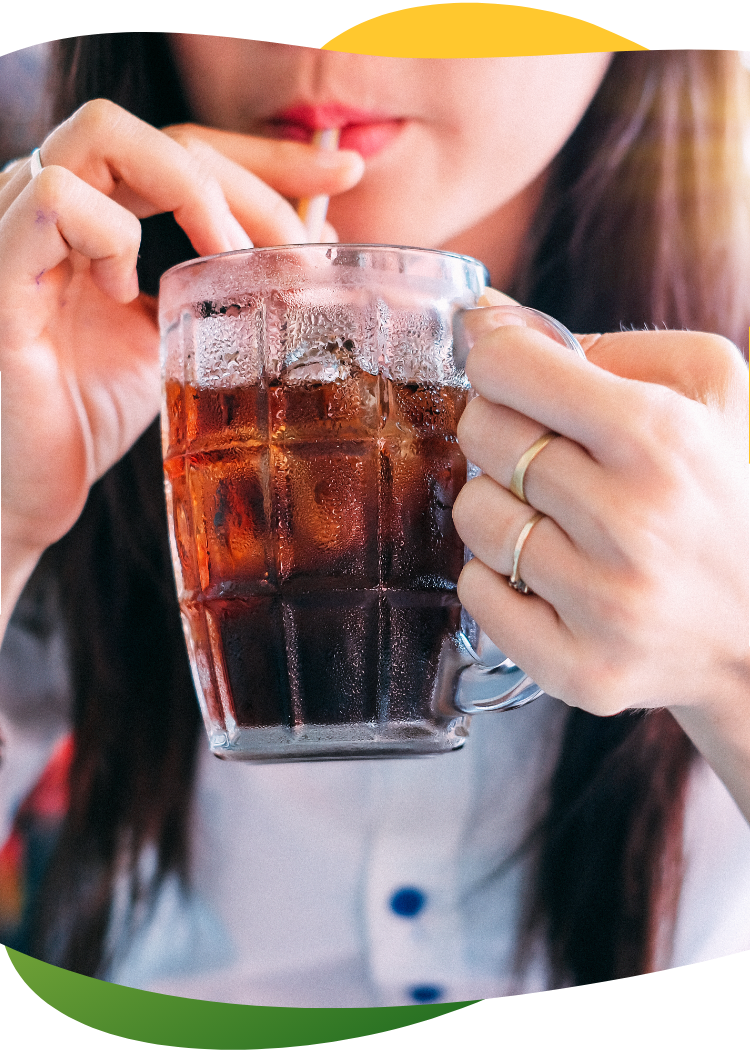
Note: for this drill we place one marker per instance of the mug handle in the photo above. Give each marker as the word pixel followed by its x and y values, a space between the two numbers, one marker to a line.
pixel 486 679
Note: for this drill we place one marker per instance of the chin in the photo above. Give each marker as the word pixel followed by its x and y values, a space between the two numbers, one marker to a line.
pixel 382 230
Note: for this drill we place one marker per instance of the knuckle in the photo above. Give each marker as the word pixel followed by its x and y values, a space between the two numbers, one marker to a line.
pixel 711 351
pixel 98 117
pixel 207 189
pixel 201 181
pixel 51 187
pixel 724 369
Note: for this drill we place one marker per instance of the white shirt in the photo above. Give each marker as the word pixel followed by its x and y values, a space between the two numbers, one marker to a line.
pixel 383 882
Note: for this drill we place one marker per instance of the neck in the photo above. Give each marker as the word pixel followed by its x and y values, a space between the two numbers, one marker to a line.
pixel 498 240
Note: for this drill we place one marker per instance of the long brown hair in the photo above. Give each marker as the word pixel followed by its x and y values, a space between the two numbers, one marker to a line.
pixel 645 222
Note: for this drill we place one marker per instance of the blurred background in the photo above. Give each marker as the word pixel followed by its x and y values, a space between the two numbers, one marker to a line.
pixel 24 110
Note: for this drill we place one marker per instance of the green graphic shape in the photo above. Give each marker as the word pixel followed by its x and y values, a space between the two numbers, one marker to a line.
pixel 191 1024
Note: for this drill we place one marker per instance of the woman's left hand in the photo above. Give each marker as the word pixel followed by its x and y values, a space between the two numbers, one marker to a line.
pixel 640 566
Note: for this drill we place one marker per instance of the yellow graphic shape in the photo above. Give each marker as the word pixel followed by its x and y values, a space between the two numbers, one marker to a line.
pixel 475 31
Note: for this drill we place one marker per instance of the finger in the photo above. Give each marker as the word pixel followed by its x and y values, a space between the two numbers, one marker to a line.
pixel 531 373
pixel 701 366
pixel 489 520
pixel 58 212
pixel 494 437
pixel 329 234
pixel 537 639
pixel 10 170
pixel 471 325
pixel 113 151
pixel 492 297
pixel 260 210
pixel 587 340
pixel 293 169
pixel 16 181
pixel 636 382
pixel 562 480
pixel 525 626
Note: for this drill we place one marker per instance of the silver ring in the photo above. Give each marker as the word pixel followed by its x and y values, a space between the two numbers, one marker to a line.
pixel 36 163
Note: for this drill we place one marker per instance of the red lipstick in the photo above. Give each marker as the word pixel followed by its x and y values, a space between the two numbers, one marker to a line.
pixel 366 132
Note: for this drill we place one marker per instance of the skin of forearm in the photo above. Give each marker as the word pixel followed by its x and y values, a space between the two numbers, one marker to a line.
pixel 17 563
pixel 720 729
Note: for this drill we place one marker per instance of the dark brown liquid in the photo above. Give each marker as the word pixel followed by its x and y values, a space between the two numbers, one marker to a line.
pixel 318 553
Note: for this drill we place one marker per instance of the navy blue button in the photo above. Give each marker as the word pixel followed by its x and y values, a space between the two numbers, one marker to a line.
pixel 425 993
pixel 408 901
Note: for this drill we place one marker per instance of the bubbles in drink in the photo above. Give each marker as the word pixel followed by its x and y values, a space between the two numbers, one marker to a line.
pixel 312 522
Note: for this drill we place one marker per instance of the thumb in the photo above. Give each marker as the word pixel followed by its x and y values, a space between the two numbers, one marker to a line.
pixel 490 297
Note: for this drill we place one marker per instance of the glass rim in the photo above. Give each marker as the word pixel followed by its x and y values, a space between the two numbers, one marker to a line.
pixel 199 259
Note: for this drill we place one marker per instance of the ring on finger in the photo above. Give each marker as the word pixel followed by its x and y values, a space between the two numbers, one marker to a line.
pixel 36 163
pixel 523 463
pixel 514 579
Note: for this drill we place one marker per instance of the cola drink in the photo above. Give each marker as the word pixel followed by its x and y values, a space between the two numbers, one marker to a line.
pixel 317 559
pixel 309 412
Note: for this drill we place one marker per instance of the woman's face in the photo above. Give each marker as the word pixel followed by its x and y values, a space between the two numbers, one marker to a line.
pixel 456 149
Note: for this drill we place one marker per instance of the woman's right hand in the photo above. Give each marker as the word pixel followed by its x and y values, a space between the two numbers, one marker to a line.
pixel 78 342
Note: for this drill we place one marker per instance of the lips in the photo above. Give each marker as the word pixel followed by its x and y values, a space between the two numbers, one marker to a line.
pixel 366 132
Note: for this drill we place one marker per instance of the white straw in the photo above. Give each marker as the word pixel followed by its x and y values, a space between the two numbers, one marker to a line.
pixel 313 211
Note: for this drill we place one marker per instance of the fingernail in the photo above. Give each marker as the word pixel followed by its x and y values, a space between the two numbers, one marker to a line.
pixel 478 322
pixel 349 165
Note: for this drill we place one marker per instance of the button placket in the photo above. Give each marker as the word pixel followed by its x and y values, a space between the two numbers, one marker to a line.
pixel 413 918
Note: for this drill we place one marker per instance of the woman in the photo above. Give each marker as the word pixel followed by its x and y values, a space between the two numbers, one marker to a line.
pixel 607 191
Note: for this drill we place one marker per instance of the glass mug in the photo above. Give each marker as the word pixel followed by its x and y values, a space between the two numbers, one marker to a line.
pixel 310 404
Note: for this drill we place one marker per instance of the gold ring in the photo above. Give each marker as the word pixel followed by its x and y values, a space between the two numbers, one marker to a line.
pixel 514 579
pixel 516 481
